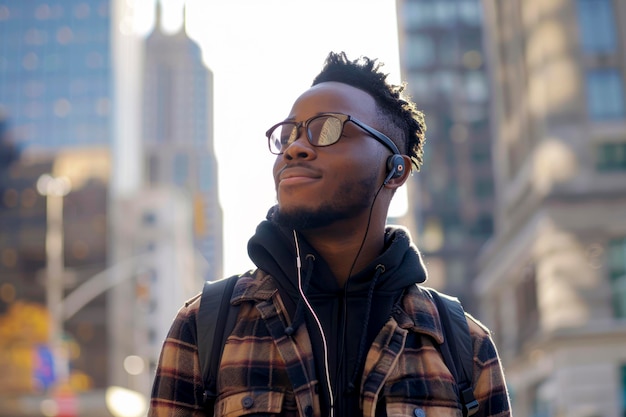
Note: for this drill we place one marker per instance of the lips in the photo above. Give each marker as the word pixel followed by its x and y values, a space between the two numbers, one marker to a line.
pixel 294 175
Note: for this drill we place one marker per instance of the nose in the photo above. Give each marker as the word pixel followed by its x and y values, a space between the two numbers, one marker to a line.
pixel 300 148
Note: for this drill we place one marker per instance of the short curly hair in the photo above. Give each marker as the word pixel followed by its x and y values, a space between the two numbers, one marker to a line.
pixel 401 114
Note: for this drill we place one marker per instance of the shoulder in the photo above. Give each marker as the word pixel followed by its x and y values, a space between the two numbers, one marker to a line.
pixel 183 328
pixel 485 351
pixel 490 387
pixel 254 285
pixel 418 312
pixel 477 328
pixel 421 313
pixel 190 305
pixel 249 284
pixel 488 377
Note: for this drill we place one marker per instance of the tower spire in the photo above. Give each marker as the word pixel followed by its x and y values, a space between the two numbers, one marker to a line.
pixel 158 16
pixel 182 30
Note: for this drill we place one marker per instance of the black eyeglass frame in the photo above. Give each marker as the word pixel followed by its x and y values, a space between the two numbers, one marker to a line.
pixel 343 118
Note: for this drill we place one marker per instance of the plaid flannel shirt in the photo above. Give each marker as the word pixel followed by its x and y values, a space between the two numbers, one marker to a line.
pixel 265 372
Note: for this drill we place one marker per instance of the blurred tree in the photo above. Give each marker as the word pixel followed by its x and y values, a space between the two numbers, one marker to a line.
pixel 22 329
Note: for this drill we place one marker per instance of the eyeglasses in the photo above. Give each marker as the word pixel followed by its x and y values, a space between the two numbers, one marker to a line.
pixel 322 130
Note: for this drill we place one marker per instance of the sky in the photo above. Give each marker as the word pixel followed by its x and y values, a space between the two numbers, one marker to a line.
pixel 263 55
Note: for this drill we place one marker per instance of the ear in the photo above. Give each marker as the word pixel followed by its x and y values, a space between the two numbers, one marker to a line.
pixel 399 180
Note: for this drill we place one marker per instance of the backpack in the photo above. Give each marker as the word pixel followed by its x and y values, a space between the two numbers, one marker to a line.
pixel 456 349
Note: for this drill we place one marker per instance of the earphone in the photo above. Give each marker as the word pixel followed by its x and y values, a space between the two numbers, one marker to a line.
pixel 395 166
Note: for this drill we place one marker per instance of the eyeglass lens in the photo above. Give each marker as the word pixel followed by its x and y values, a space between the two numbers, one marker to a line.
pixel 321 131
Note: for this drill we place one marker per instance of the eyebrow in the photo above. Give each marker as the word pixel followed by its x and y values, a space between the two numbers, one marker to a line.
pixel 293 119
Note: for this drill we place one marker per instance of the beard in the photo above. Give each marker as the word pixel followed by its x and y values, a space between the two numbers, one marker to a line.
pixel 348 201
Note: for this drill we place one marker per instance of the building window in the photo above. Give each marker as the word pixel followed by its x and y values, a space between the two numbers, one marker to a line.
pixel 617 275
pixel 445 12
pixel 527 305
pixel 447 82
pixel 597 26
pixel 476 89
pixel 181 169
pixel 207 179
pixel 148 218
pixel 483 187
pixel 454 233
pixel 163 122
pixel 456 273
pixel 605 94
pixel 418 14
pixel 482 228
pixel 611 157
pixel 153 169
pixel 420 84
pixel 481 154
pixel 449 50
pixel 420 51
pixel 440 13
pixel 470 11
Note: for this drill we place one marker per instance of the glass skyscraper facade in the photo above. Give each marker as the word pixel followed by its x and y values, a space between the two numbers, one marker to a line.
pixel 55 72
pixel 443 62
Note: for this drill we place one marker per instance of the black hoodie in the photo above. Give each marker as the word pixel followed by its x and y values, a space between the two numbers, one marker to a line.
pixel 352 316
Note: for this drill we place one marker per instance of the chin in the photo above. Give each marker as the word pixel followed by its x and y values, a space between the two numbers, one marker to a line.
pixel 303 218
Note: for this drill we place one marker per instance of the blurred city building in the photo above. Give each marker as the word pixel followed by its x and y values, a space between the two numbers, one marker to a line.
pixel 142 226
pixel 174 222
pixel 552 281
pixel 156 234
pixel 167 221
pixel 451 203
pixel 55 97
pixel 178 132
pixel 24 321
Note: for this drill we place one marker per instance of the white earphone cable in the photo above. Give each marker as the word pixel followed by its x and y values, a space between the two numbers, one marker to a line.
pixel 319 326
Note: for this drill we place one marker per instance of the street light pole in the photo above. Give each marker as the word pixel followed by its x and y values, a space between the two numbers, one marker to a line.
pixel 54 189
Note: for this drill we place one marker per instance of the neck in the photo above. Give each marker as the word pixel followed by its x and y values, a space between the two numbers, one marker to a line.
pixel 347 249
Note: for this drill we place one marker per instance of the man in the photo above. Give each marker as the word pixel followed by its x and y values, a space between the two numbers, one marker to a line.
pixel 332 322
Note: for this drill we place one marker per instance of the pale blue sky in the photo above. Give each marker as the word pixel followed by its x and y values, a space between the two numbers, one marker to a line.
pixel 263 55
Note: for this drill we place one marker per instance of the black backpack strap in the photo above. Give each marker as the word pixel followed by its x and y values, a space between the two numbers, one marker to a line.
pixel 214 308
pixel 457 348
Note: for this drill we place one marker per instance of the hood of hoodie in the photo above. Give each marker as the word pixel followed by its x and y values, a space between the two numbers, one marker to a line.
pixel 272 249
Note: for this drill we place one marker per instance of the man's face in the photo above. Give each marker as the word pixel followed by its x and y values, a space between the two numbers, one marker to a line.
pixel 317 186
